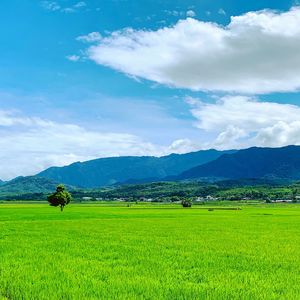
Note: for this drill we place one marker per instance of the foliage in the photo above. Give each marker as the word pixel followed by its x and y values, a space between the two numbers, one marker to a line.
pixel 176 191
pixel 186 203
pixel 61 197
pixel 35 188
pixel 157 191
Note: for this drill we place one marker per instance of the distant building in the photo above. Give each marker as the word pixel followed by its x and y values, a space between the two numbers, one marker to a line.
pixel 199 199
pixel 282 201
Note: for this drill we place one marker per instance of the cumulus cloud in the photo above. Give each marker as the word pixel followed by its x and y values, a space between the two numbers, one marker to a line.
pixel 181 146
pixel 257 52
pixel 243 112
pixel 241 122
pixel 281 133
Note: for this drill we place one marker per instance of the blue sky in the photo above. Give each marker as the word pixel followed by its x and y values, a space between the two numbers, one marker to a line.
pixel 87 79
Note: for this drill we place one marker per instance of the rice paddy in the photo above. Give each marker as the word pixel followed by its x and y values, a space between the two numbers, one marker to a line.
pixel 149 252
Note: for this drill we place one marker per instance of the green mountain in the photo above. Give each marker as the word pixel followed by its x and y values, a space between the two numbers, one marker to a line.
pixel 108 171
pixel 270 163
pixel 27 186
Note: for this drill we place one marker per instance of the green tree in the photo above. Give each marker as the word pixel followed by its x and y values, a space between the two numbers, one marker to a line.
pixel 175 198
pixel 61 197
pixel 186 203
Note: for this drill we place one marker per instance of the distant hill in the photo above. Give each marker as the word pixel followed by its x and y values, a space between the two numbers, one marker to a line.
pixel 21 186
pixel 108 171
pixel 270 163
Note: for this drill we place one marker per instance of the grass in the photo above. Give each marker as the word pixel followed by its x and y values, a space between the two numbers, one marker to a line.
pixel 149 252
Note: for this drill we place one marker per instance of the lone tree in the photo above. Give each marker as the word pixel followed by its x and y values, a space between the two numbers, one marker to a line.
pixel 60 198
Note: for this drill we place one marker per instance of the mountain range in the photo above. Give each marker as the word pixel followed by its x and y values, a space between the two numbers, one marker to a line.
pixel 109 171
pixel 209 165
pixel 254 164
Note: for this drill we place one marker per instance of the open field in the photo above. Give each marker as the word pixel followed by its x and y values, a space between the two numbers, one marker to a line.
pixel 149 252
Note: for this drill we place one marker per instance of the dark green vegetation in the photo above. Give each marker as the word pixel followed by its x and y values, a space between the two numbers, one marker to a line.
pixel 27 188
pixel 158 191
pixel 186 203
pixel 177 191
pixel 149 252
pixel 61 197
pixel 162 191
pixel 107 171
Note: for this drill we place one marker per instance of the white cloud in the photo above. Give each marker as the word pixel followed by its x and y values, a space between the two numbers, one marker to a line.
pixel 241 122
pixel 10 118
pixel 183 146
pixel 28 145
pixel 73 57
pixel 256 53
pixel 228 138
pixel 90 38
pixel 281 133
pixel 243 112
pixel 190 13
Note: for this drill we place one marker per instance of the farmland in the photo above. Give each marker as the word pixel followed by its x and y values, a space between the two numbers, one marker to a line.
pixel 152 251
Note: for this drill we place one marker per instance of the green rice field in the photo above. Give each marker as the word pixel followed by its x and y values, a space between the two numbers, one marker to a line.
pixel 149 252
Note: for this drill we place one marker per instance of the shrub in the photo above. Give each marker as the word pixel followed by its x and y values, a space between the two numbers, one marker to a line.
pixel 186 203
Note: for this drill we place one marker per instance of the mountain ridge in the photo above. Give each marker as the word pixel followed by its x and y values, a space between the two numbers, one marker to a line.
pixel 254 162
pixel 252 166
pixel 26 185
pixel 108 171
